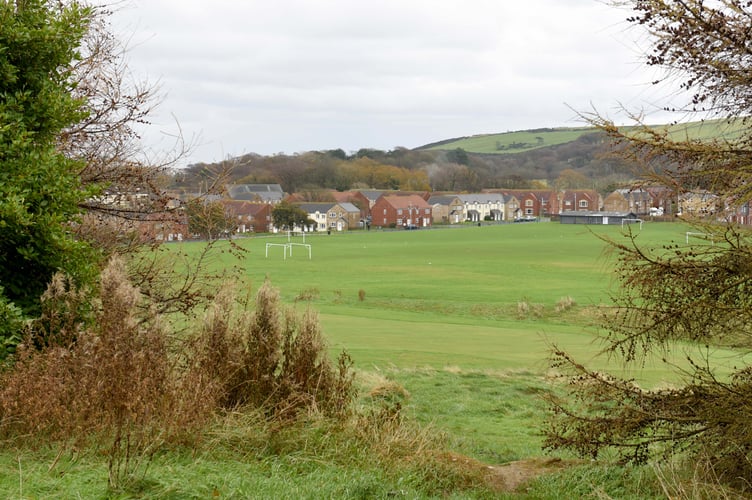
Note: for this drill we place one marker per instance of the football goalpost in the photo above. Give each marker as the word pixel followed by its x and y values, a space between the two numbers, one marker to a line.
pixel 287 247
pixel 631 221
pixel 284 249
pixel 306 245
pixel 704 236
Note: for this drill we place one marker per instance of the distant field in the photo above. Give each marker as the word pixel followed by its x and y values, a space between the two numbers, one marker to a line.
pixel 526 140
pixel 451 297
pixel 514 142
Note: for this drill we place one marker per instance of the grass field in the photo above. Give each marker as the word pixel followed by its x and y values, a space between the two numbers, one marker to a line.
pixel 440 314
pixel 452 297
pixel 514 142
pixel 436 312
pixel 526 140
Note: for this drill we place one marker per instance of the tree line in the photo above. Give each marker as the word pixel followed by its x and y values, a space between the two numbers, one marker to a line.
pixel 454 170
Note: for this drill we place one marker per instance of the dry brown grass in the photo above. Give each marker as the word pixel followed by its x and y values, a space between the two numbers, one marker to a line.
pixel 99 371
pixel 269 358
pixel 108 380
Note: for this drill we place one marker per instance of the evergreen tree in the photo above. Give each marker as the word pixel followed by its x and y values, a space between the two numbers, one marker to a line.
pixel 40 190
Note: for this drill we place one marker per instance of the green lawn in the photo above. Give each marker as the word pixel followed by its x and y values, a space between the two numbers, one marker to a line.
pixel 439 317
pixel 450 297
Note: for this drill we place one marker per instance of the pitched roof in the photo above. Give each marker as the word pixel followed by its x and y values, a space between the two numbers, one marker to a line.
pixel 635 194
pixel 442 199
pixel 371 194
pixel 406 201
pixel 349 207
pixel 242 207
pixel 266 192
pixel 316 207
pixel 481 198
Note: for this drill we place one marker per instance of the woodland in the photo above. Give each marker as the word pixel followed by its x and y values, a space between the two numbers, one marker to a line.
pixel 587 162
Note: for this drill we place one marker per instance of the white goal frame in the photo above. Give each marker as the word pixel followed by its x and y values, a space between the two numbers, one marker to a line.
pixel 290 245
pixel 284 246
pixel 705 236
pixel 632 221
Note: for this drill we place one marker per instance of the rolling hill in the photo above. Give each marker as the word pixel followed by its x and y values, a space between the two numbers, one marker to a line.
pixel 527 140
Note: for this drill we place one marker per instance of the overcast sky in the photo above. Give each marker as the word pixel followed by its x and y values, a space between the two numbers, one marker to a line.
pixel 287 76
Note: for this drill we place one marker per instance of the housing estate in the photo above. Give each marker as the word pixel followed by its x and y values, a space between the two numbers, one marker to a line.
pixel 250 206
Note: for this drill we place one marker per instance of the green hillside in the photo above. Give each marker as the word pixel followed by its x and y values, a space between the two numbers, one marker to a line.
pixel 527 140
pixel 512 142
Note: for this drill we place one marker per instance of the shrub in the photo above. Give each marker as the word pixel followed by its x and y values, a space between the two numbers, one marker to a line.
pixel 523 309
pixel 308 294
pixel 565 304
pixel 112 384
pixel 105 375
pixel 526 309
pixel 271 359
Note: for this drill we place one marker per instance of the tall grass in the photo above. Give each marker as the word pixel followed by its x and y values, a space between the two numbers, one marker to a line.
pixel 112 383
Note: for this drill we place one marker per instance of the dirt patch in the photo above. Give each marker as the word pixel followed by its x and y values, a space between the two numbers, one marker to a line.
pixel 508 477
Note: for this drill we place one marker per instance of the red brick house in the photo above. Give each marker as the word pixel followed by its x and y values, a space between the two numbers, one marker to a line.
pixel 410 211
pixel 249 217
pixel 356 198
pixel 534 203
pixel 365 200
pixel 164 226
pixel 587 200
pixel 664 198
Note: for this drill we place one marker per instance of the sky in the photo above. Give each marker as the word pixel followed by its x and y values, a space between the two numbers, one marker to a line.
pixel 289 76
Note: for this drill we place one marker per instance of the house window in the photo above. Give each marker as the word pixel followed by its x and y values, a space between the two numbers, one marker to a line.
pixel 528 211
pixel 332 215
pixel 568 203
pixel 399 221
pixel 528 203
pixel 428 211
pixel 583 203
pixel 399 211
